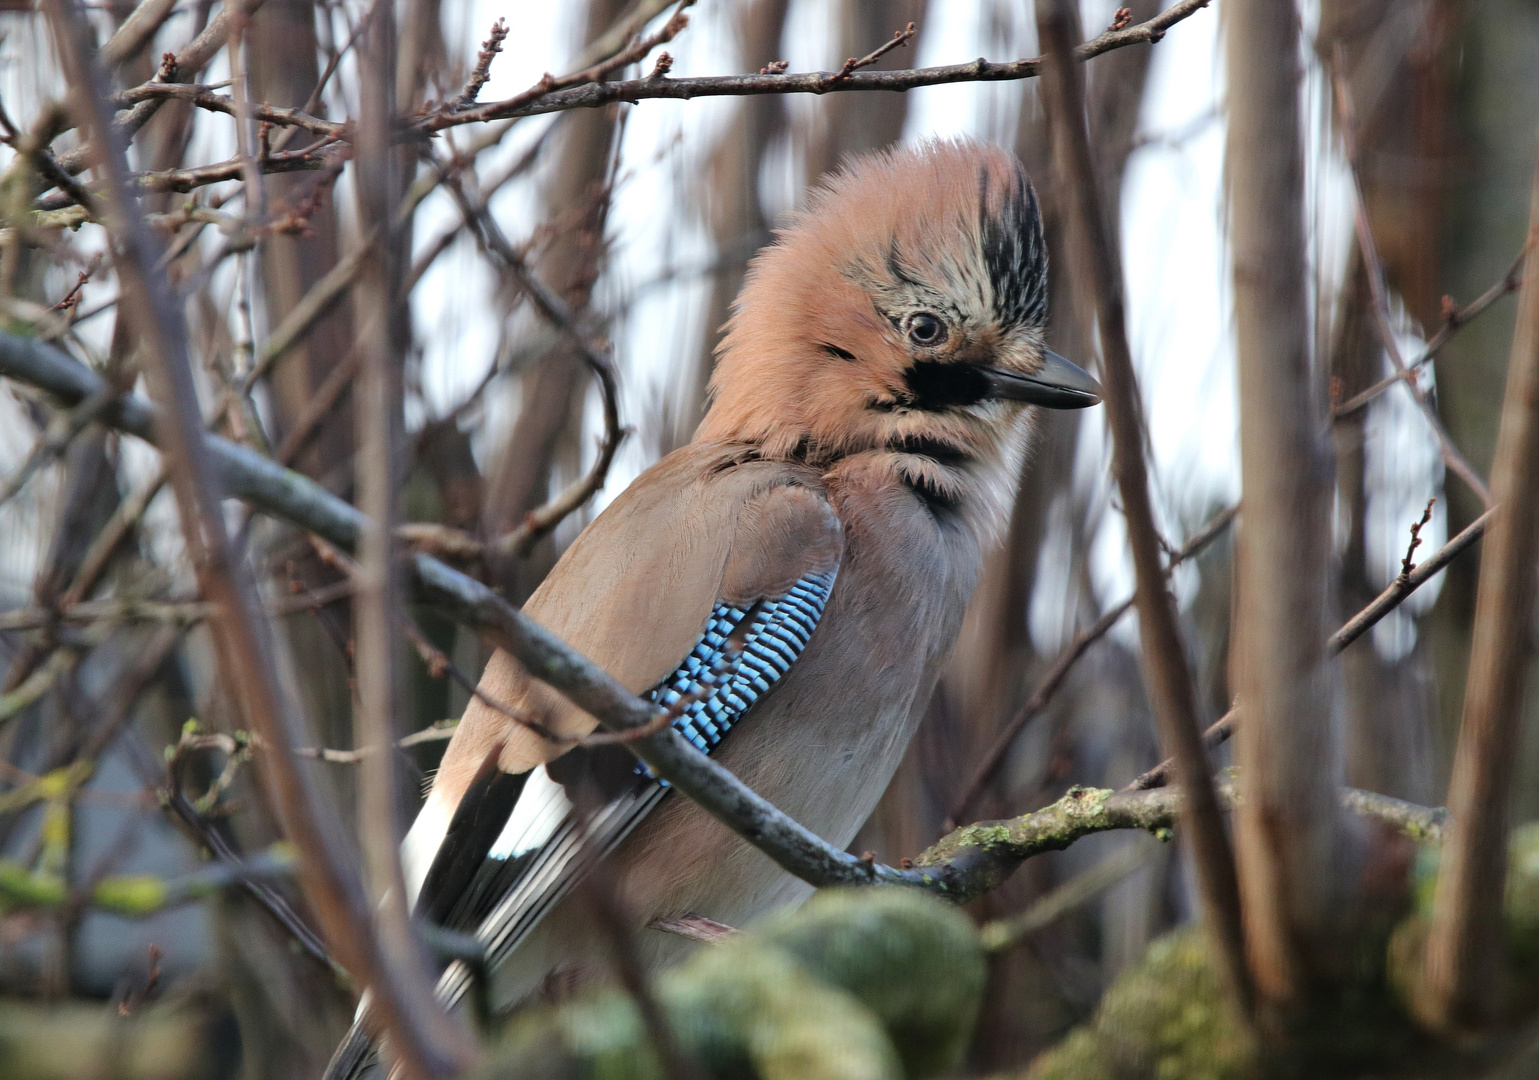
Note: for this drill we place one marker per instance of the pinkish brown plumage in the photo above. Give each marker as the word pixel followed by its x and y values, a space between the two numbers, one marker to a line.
pixel 798 572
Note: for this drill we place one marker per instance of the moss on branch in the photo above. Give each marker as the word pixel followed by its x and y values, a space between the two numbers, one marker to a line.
pixel 976 858
pixel 1165 1018
pixel 858 985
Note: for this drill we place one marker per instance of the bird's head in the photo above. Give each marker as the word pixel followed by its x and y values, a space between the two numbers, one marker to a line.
pixel 901 312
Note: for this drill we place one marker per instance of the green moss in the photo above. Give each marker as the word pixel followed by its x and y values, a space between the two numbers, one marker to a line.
pixel 1522 910
pixel 749 1009
pixel 868 984
pixel 912 961
pixel 1164 1019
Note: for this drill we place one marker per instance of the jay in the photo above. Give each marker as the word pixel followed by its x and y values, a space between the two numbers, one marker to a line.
pixel 789 583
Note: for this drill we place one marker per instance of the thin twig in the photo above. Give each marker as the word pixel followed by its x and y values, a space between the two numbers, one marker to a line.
pixel 1355 627
pixel 1048 687
pixel 315 305
pixel 483 69
pixel 899 39
pixel 1452 457
pixel 107 542
pixel 1001 934
pixel 1453 319
pixel 185 612
pixel 61 431
pixel 549 84
pixel 440 732
pixel 56 210
pixel 203 97
pixel 595 95
pixel 1407 583
pixel 542 520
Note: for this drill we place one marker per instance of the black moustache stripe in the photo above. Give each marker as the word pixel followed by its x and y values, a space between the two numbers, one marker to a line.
pixel 935 386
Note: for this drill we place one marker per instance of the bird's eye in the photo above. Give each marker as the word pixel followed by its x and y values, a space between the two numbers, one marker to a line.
pixel 926 329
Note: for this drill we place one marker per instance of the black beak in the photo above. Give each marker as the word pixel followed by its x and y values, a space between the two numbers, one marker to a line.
pixel 1058 385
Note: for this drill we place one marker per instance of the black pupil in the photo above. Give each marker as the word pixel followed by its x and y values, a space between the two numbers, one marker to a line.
pixel 926 329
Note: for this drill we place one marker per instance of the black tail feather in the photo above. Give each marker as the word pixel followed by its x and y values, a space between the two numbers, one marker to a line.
pixel 355 1059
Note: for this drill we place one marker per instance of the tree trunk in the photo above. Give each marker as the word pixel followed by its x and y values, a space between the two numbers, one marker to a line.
pixel 1289 745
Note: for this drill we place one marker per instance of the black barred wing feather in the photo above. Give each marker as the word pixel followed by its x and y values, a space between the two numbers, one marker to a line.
pixel 548 843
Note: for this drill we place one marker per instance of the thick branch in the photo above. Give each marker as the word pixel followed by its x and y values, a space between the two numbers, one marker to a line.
pixel 974 859
pixel 1463 969
pixel 1290 755
pixel 302 502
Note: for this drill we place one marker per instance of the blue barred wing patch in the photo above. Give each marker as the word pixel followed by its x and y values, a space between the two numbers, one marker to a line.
pixel 742 653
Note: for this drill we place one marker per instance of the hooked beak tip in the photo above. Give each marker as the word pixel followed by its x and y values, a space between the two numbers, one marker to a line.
pixel 1058 384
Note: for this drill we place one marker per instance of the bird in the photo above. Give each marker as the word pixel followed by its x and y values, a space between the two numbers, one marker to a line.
pixel 787 585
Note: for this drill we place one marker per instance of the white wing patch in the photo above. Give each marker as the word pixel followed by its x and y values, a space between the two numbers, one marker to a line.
pixel 422 842
pixel 541 807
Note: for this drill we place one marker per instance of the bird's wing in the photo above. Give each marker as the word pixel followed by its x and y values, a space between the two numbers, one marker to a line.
pixel 518 841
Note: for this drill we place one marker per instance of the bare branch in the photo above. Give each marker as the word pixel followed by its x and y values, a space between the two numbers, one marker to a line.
pixel 1098 274
pixel 483 69
pixel 193 58
pixel 1351 630
pixel 1406 584
pixel 548 84
pixel 1463 968
pixel 204 97
pixel 542 520
pixel 137 31
pixel 1290 754
pixel 56 210
pixel 595 95
pixel 1060 670
pixel 899 39
pixel 134 609
pixel 1453 318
